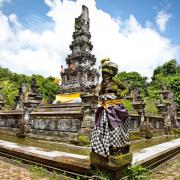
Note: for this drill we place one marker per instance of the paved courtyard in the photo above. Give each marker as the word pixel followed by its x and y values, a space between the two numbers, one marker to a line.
pixel 12 172
pixel 168 171
pixel 15 171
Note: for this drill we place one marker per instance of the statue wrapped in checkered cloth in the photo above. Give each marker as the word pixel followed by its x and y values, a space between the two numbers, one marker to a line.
pixel 111 132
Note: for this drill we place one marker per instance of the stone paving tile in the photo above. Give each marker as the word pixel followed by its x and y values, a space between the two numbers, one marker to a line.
pixel 168 171
pixel 11 172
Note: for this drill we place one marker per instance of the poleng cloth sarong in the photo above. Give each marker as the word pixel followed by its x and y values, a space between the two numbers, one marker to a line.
pixel 111 129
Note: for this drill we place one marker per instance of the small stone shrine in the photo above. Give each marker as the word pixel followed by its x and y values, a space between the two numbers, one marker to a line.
pixel 80 76
pixel 168 109
pixel 27 100
pixel 110 137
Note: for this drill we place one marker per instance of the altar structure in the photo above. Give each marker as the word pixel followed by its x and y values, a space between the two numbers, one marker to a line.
pixel 80 76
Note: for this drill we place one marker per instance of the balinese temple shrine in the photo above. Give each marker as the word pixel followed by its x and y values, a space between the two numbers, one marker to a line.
pixel 80 76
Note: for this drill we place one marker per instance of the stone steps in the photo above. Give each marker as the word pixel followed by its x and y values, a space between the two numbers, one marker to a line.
pixel 80 163
pixel 59 108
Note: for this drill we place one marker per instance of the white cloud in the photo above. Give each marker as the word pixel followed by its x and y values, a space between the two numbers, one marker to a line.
pixel 14 20
pixel 162 19
pixel 129 44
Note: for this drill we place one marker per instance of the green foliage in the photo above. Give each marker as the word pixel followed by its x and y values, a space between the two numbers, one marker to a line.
pixel 83 139
pixel 176 131
pixel 119 87
pixel 152 93
pixel 5 74
pixel 127 104
pixel 161 81
pixel 151 106
pixel 167 75
pixel 163 75
pixel 58 176
pixel 12 81
pixel 134 135
pixel 48 87
pixel 55 176
pixel 38 171
pixel 133 80
pixel 167 69
pixel 178 69
pixel 175 86
pixel 102 175
pixel 17 162
pixel 138 173
pixel 9 92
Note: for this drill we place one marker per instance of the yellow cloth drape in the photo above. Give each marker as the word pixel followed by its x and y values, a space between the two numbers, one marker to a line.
pixel 67 98
pixel 108 103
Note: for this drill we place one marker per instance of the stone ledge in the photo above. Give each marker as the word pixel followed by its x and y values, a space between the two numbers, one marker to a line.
pixel 67 161
pixel 57 113
pixel 113 163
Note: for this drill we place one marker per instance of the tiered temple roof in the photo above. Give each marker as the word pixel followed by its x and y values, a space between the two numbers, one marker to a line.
pixel 80 75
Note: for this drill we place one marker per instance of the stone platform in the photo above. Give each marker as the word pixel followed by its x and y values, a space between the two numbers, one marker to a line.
pixel 150 156
pixel 80 163
pixel 66 161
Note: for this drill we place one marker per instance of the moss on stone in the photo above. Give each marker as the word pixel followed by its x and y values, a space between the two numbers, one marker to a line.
pixel 135 135
pixel 120 160
pixel 83 139
pixel 176 131
pixel 112 167
pixel 112 162
pixel 157 132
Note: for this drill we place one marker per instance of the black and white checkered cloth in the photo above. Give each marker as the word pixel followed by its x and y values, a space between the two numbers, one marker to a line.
pixel 103 137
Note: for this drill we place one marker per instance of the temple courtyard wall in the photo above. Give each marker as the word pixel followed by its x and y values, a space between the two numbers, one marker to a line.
pixel 67 122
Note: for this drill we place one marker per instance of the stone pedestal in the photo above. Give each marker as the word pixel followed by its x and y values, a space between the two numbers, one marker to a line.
pixel 115 166
pixel 89 105
pixel 145 129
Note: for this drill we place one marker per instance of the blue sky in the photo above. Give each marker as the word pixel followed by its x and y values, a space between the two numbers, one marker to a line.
pixel 147 29
pixel 32 11
pixel 145 10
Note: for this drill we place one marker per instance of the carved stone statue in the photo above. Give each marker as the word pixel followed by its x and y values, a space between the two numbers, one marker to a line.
pixel 110 84
pixel 111 133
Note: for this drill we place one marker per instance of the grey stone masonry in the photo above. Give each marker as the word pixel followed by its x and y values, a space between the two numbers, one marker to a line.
pixel 80 75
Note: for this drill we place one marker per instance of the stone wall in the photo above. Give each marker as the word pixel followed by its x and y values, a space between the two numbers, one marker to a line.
pixel 64 121
pixel 62 125
pixel 10 119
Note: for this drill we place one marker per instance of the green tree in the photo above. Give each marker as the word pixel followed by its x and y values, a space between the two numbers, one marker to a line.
pixel 167 69
pixel 9 92
pixel 175 87
pixel 151 106
pixel 133 80
pixel 49 89
pixel 178 69
pixel 5 74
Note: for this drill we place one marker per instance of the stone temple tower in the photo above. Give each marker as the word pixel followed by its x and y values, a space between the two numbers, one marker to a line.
pixel 80 76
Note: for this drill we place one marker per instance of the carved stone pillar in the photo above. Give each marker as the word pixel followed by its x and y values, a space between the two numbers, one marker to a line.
pixel 89 104
pixel 1 100
pixel 32 101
